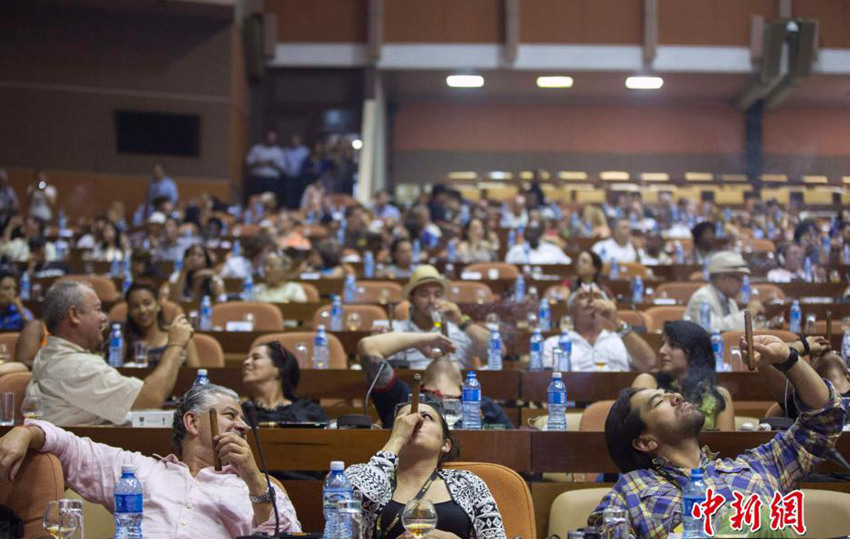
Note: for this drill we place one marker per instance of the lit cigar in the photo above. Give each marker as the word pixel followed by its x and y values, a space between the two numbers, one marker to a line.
pixel 214 430
pixel 414 402
pixel 748 331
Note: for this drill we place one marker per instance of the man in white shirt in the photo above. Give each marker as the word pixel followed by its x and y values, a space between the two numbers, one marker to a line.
pixel 726 270
pixel 600 340
pixel 426 291
pixel 535 251
pixel 77 387
pixel 266 166
pixel 619 246
pixel 792 269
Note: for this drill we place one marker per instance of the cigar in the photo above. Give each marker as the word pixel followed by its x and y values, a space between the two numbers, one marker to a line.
pixel 414 401
pixel 829 326
pixel 748 331
pixel 214 430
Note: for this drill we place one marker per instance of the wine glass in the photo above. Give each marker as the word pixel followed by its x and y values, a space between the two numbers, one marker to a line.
pixel 599 361
pixel 31 408
pixel 453 411
pixel 59 523
pixel 481 296
pixel 492 321
pixel 419 517
pixel 352 321
pixel 384 296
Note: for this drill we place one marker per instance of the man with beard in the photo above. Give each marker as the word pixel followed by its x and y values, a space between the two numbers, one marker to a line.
pixel 534 251
pixel 652 437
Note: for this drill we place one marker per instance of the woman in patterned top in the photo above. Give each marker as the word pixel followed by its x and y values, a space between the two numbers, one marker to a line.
pixel 146 323
pixel 410 466
pixel 686 366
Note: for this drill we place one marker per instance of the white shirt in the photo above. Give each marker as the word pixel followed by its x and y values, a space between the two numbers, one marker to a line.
pixel 237 267
pixel 261 152
pixel 417 360
pixel 782 275
pixel 608 347
pixel 611 250
pixel 546 253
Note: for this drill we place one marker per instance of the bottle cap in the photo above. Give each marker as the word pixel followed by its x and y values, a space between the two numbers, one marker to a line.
pixel 321 327
pixel 202 372
pixel 556 375
pixel 128 468
pixel 337 465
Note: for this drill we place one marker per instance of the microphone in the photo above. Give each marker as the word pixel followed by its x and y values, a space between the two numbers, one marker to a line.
pixel 836 457
pixel 364 420
pixel 251 412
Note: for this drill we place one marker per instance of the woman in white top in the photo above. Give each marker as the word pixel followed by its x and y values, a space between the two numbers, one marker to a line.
pixel 276 289
pixel 477 244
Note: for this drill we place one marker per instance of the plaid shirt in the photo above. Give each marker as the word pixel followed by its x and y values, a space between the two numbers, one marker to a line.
pixel 653 497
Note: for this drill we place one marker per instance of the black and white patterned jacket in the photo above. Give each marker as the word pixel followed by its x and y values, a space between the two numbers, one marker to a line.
pixel 467 490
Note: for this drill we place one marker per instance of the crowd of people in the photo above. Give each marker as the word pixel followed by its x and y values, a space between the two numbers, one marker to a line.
pixel 181 251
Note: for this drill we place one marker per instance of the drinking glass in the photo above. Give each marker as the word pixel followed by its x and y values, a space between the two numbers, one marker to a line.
pixel 58 523
pixel 492 321
pixel 453 410
pixel 31 408
pixel 349 518
pixel 419 517
pixel 615 524
pixel 140 354
pixel 384 296
pixel 7 409
pixel 4 354
pixel 75 507
pixel 302 354
pixel 599 361
pixel 481 296
pixel 352 321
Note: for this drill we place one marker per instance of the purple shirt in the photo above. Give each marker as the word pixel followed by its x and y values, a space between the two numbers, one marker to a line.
pixel 210 505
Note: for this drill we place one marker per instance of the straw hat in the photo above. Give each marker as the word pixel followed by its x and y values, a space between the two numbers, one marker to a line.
pixel 727 262
pixel 423 274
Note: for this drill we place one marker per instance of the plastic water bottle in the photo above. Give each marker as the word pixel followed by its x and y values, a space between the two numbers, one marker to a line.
pixel 718 229
pixel 349 290
pixel 201 379
pixel 845 347
pixel 566 346
pixel 827 248
pixel 706 275
pixel 727 214
pixel 417 252
pixel 369 265
pixel 845 257
pixel 771 230
pixel 506 220
pixel 536 351
pixel 464 214
pixel 340 233
pixel 26 286
pixel 129 501
pixel 451 251
pixel 116 347
pixel 795 318
pixel 511 239
pixel 205 316
pixel 471 395
pixel 248 288
pixel 494 351
pixel 320 349
pixel 126 283
pixel 807 269
pixel 59 249
pixel 637 290
pixel 746 290
pixel 526 253
pixel 557 403
pixel 138 215
pixel 178 264
pixel 336 313
pixel 718 349
pixel 115 268
pixel 705 316
pixel 236 250
pixel 519 289
pixel 544 316
pixel 680 253
pixel 614 274
pixel 336 489
pixel 692 494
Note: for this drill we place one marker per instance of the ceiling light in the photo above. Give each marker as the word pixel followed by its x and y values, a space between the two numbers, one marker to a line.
pixel 644 83
pixel 554 82
pixel 465 81
pixel 357 144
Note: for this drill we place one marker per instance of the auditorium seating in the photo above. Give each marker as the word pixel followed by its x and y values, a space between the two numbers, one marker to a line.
pixel 104 287
pixel 570 510
pixel 16 382
pixel 10 341
pixel 827 513
pixel 291 341
pixel 266 317
pixel 39 481
pixel 365 316
pixel 210 353
pixel 170 310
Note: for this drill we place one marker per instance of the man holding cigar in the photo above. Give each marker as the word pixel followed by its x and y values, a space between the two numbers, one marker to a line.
pixel 76 386
pixel 600 338
pixel 426 291
pixel 652 437
pixel 726 270
pixel 184 496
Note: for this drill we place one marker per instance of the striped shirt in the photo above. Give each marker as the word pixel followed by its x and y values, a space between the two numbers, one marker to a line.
pixel 653 497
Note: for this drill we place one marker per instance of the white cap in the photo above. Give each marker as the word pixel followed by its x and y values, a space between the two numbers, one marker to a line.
pixel 202 372
pixel 128 468
pixel 337 465
pixel 556 375
pixel 321 327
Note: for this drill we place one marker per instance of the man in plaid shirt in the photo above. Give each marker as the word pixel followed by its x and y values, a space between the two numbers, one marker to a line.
pixel 652 437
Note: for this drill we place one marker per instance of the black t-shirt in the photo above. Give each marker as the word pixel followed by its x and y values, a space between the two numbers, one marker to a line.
pixel 301 410
pixel 450 518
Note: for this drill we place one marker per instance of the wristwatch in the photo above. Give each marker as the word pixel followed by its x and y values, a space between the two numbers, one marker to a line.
pixel 265 497
pixel 788 363
pixel 624 329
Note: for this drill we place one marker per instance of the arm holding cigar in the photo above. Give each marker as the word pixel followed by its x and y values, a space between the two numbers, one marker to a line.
pixel 770 352
pixel 777 383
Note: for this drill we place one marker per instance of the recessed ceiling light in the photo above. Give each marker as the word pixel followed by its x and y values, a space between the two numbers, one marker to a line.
pixel 554 82
pixel 465 81
pixel 644 83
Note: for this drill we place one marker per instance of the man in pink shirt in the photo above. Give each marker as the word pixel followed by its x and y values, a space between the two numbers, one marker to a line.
pixel 184 497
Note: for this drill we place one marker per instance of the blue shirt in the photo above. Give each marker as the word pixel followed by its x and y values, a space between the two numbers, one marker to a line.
pixel 163 187
pixel 12 320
